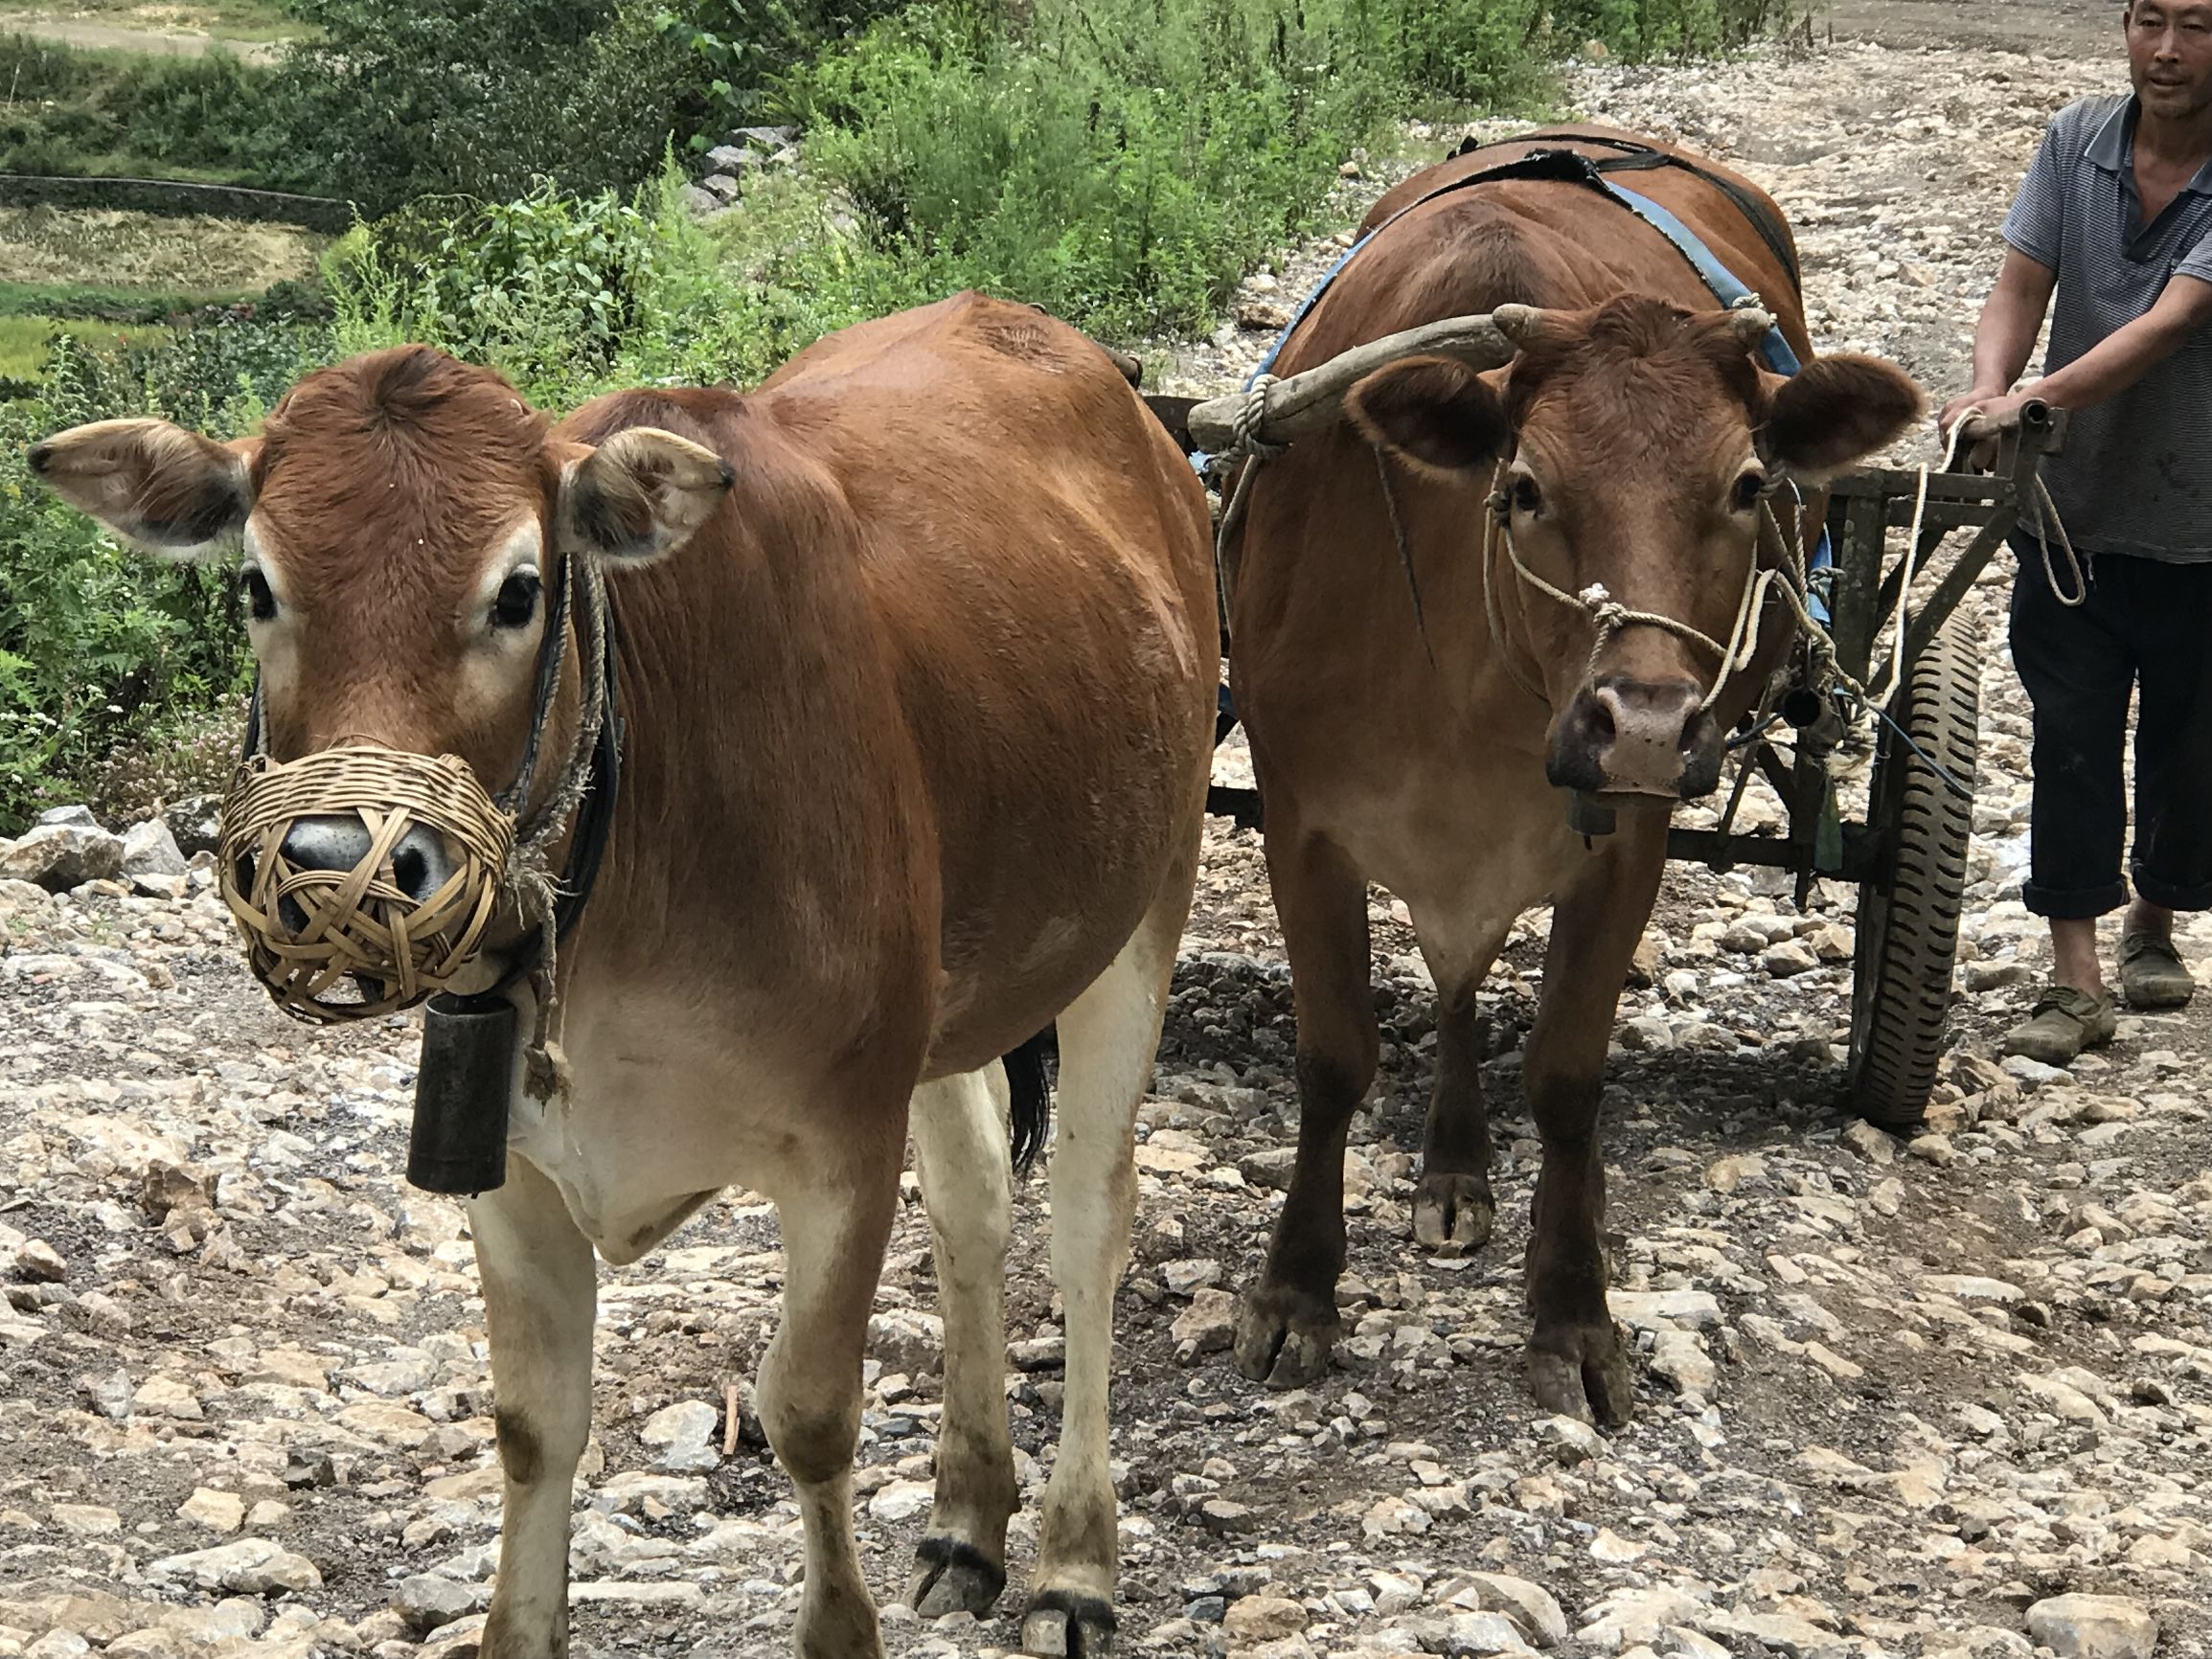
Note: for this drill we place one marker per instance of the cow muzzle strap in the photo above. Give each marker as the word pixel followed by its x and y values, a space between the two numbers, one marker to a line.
pixel 335 944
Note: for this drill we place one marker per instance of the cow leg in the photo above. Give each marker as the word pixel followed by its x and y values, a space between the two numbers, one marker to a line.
pixel 960 1152
pixel 1452 1206
pixel 540 1291
pixel 1287 1323
pixel 1576 1364
pixel 1108 1037
pixel 810 1392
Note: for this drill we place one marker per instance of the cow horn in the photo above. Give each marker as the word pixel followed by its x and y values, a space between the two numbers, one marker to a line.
pixel 1519 323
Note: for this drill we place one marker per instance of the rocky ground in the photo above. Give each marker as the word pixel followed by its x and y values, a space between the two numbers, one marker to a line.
pixel 1899 1399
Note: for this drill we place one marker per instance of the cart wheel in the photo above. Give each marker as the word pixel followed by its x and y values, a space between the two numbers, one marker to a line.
pixel 1908 910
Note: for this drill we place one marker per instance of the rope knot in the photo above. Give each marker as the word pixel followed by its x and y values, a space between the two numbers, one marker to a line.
pixel 1251 416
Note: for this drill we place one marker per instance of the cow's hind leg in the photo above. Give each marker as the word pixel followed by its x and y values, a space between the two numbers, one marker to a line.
pixel 540 1289
pixel 960 1150
pixel 1575 1363
pixel 1109 1037
pixel 1287 1323
pixel 1452 1206
pixel 809 1390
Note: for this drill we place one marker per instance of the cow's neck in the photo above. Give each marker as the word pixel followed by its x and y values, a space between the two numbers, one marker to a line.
pixel 767 785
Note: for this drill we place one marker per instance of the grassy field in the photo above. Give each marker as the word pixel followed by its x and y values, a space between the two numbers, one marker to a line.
pixel 26 342
pixel 248 20
pixel 108 278
pixel 59 248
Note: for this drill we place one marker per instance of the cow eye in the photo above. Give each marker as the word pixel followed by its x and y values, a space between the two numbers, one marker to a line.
pixel 261 599
pixel 1748 489
pixel 1526 496
pixel 517 601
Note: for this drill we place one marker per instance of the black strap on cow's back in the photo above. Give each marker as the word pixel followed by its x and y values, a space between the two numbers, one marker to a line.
pixel 1636 157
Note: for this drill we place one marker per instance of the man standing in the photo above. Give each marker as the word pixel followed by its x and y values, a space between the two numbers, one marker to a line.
pixel 2115 221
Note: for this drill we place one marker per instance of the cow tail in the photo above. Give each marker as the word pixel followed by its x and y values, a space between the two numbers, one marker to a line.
pixel 1031 1092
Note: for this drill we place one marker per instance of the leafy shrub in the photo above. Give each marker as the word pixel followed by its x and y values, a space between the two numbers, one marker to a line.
pixel 101 649
pixel 391 100
pixel 188 749
pixel 1649 28
pixel 71 111
pixel 1121 162
pixel 747 50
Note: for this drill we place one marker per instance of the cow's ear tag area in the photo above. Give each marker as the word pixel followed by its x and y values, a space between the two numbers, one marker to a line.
pixel 458 1144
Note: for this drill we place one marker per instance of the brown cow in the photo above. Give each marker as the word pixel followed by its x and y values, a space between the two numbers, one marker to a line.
pixel 1629 445
pixel 918 691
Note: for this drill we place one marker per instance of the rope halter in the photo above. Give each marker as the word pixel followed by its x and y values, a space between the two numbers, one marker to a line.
pixel 1609 617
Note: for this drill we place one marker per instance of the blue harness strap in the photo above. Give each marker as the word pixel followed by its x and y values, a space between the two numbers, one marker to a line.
pixel 1716 276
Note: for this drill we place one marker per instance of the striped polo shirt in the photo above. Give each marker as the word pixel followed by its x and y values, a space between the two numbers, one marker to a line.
pixel 2136 476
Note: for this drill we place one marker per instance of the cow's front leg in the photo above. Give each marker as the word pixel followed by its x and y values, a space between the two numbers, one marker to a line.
pixel 540 1289
pixel 1287 1323
pixel 1452 1206
pixel 809 1390
pixel 1575 1363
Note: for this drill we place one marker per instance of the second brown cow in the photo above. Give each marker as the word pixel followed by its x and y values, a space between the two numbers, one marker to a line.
pixel 1624 462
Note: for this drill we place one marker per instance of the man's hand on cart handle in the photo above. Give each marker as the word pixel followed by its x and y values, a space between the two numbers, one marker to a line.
pixel 1986 413
pixel 1980 417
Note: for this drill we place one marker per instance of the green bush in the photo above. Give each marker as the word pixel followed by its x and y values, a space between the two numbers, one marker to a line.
pixel 391 100
pixel 210 118
pixel 104 651
pixel 744 50
pixel 1121 162
pixel 1639 28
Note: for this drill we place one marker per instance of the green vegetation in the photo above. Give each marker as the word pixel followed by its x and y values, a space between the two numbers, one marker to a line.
pixel 119 114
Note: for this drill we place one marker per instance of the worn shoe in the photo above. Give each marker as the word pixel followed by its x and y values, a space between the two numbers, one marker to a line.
pixel 2066 1021
pixel 2152 974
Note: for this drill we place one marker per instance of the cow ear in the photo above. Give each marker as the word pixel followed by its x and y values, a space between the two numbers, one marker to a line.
pixel 1833 412
pixel 156 485
pixel 1436 413
pixel 637 497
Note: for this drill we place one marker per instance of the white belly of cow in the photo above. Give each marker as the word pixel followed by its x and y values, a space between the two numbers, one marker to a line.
pixel 658 1116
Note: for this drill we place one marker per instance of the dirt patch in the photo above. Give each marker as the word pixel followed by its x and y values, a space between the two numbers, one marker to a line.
pixel 114 249
pixel 2048 28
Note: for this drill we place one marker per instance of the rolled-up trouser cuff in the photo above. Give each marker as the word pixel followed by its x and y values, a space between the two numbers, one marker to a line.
pixel 2076 903
pixel 2165 894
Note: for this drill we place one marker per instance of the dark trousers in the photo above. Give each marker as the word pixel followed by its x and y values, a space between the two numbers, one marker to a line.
pixel 2147 629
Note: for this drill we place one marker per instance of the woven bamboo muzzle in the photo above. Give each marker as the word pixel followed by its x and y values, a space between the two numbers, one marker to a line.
pixel 358 931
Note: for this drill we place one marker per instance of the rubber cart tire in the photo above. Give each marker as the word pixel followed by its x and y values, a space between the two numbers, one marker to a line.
pixel 1908 925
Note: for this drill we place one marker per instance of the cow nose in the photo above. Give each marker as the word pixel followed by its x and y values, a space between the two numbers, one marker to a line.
pixel 1637 737
pixel 420 864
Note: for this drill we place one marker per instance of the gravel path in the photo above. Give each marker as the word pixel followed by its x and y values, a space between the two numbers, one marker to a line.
pixel 1898 1399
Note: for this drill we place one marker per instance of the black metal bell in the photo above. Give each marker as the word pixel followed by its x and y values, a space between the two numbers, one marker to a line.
pixel 461 1092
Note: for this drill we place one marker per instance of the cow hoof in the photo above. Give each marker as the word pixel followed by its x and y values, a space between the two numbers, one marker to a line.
pixel 1068 1624
pixel 1582 1373
pixel 1284 1335
pixel 1452 1212
pixel 952 1576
